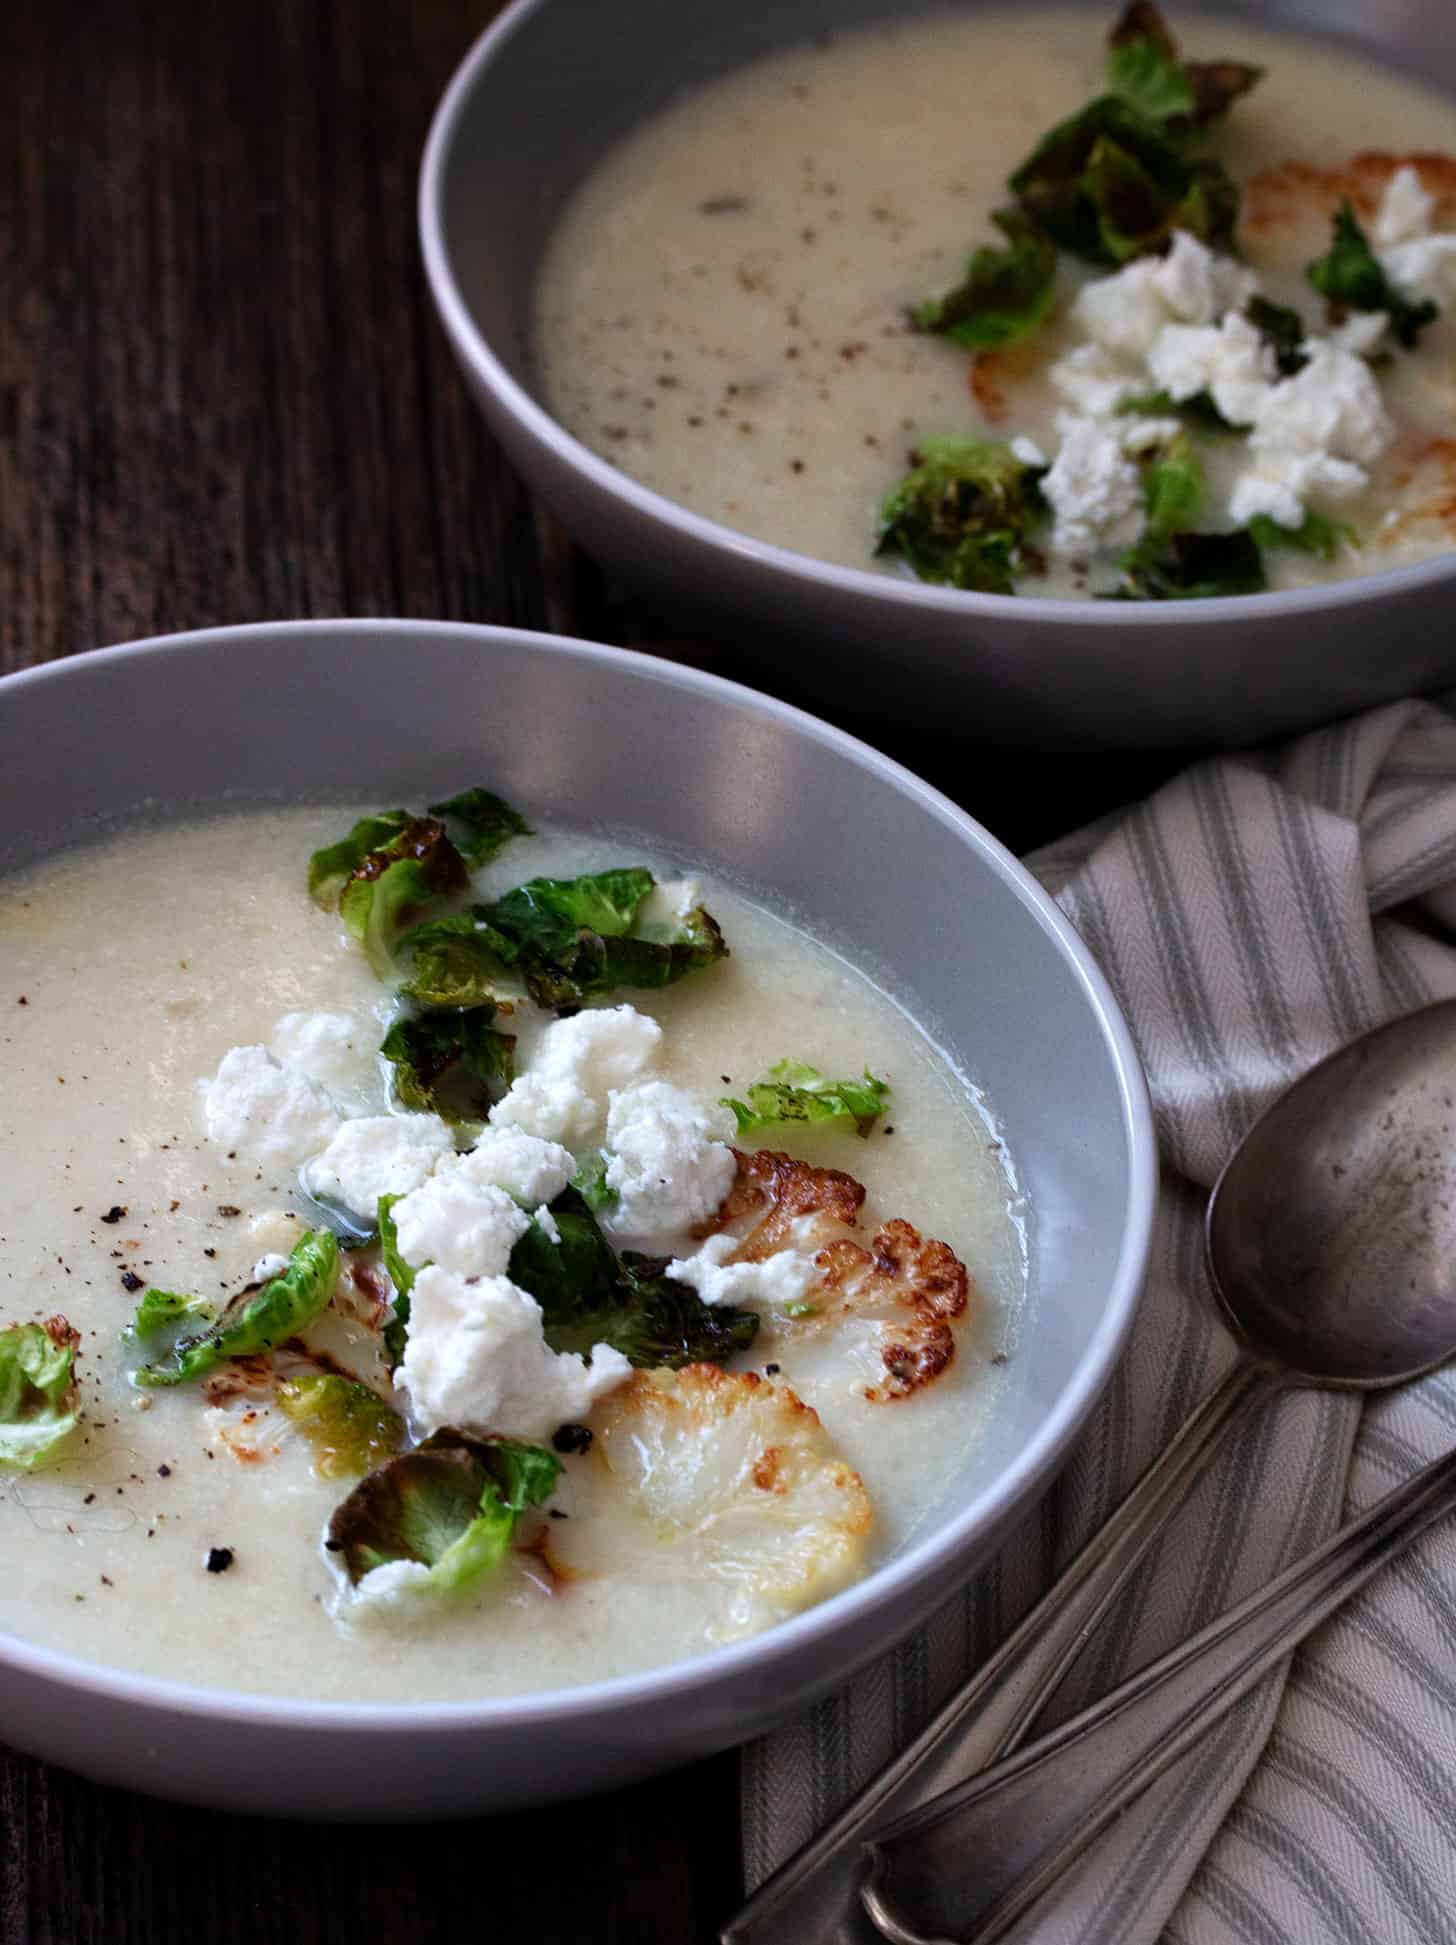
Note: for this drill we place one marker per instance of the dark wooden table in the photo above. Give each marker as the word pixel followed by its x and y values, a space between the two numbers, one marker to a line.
pixel 224 398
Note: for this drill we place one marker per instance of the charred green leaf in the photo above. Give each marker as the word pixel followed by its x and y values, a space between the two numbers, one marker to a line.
pixel 1350 274
pixel 38 1391
pixel 451 1507
pixel 259 1318
pixel 350 1427
pixel 589 1296
pixel 793 1092
pixel 452 1064
pixel 1005 294
pixel 962 514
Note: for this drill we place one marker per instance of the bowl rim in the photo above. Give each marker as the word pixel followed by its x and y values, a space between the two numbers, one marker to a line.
pixel 474 351
pixel 885 1585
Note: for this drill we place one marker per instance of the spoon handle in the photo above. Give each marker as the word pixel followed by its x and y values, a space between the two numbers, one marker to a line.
pixel 812 1899
pixel 971 1864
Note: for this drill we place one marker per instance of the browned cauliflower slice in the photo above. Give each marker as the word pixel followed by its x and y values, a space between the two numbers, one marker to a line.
pixel 910 1289
pixel 726 1480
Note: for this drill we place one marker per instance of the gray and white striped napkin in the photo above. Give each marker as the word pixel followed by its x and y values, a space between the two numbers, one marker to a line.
pixel 1255 913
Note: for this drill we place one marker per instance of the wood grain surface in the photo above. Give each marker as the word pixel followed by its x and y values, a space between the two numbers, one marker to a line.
pixel 224 398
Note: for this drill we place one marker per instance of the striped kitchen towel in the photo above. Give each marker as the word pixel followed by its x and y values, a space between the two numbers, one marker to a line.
pixel 1252 915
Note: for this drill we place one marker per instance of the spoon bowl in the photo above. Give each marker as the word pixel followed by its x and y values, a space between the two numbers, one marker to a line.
pixel 1332 1230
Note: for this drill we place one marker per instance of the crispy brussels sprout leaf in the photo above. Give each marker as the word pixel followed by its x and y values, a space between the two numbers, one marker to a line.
pixel 350 1427
pixel 1192 567
pixel 1173 491
pixel 1108 184
pixel 545 915
pixel 1282 329
pixel 667 1322
pixel 572 939
pixel 331 869
pixel 458 961
pixel 790 1091
pixel 1144 68
pixel 962 514
pixel 1316 534
pixel 38 1390
pixel 481 823
pixel 451 1064
pixel 591 1184
pixel 165 1311
pixel 576 1274
pixel 401 1275
pixel 395 884
pixel 451 1506
pixel 588 1296
pixel 1350 274
pixel 1005 293
pixel 258 1318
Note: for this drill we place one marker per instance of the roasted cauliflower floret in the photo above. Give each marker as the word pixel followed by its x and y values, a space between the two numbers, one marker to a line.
pixel 726 1479
pixel 908 1291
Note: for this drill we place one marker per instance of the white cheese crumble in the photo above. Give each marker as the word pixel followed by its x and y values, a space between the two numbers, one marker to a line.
pixel 1093 488
pixel 1313 438
pixel 780 1279
pixel 269 1266
pixel 546 1223
pixel 375 1155
pixel 668 1160
pixel 523 1165
pixel 1417 262
pixel 464 1226
pixel 277 1116
pixel 387 1595
pixel 334 1050
pixel 576 1063
pixel 1175 325
pixel 476 1359
pixel 1231 361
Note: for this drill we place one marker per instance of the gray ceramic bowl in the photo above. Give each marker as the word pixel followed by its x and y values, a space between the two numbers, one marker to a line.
pixel 537 101
pixel 736 782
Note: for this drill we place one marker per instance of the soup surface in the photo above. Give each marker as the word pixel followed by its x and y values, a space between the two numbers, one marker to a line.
pixel 133 966
pixel 723 312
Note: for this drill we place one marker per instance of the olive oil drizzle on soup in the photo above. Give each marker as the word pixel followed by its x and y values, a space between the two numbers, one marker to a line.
pixel 722 312
pixel 132 967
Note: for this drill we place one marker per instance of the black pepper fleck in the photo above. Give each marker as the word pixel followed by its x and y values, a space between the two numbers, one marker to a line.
pixel 164 1472
pixel 571 1438
pixel 228 1209
pixel 115 1213
pixel 770 1370
pixel 130 1280
pixel 219 1559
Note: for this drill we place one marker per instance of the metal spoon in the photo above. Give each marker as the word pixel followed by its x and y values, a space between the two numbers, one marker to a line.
pixel 1331 1235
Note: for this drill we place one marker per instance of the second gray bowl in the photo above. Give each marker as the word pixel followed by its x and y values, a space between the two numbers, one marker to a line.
pixel 537 101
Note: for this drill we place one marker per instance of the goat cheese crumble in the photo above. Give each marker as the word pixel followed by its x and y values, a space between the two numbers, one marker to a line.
pixel 1416 261
pixel 378 1154
pixel 476 1360
pixel 1175 325
pixel 667 1158
pixel 772 1282
pixel 465 1226
pixel 562 1096
pixel 278 1115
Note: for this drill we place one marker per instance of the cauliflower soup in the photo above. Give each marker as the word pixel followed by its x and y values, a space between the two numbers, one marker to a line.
pixel 508 1268
pixel 1006 303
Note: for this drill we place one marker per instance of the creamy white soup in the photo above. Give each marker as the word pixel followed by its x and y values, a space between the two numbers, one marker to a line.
pixel 725 313
pixel 179 1529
